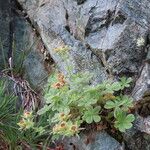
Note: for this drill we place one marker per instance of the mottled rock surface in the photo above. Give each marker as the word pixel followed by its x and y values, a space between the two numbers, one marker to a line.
pixel 103 34
pixel 4 30
pixel 143 83
pixel 99 141
pixel 136 140
pixel 27 40
pixel 139 136
pixel 17 37
pixel 57 29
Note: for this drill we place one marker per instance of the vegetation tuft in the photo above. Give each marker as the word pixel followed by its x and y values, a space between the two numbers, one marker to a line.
pixel 75 102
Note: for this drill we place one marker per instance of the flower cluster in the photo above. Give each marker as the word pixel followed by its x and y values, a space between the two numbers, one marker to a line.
pixel 61 82
pixel 27 121
pixel 73 104
pixel 65 126
pixel 64 117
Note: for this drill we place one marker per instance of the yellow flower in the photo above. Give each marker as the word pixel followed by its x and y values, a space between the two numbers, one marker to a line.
pixel 74 129
pixel 27 114
pixel 56 128
pixel 64 117
pixel 57 85
pixel 22 124
pixel 61 78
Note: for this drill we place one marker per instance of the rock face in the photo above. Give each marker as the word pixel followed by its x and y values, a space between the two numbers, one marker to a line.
pixel 27 41
pixel 136 140
pixel 143 83
pixel 100 141
pixel 5 30
pixel 58 32
pixel 18 37
pixel 139 136
pixel 106 37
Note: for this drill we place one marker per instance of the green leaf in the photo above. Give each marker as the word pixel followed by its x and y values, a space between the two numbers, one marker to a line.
pixel 65 109
pixel 127 102
pixel 122 102
pixel 97 118
pixel 123 121
pixel 130 118
pixel 92 114
pixel 87 101
pixel 112 87
pixel 53 99
pixel 97 109
pixel 116 86
pixel 89 119
pixel 44 110
pixel 110 105
pixel 125 82
pixel 40 130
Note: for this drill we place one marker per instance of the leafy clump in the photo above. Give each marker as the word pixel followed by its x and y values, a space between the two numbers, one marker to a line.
pixel 32 128
pixel 76 102
pixel 27 122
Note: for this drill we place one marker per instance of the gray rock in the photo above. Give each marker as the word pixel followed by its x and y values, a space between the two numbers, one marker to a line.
pixel 135 140
pixel 27 41
pixel 139 136
pixel 143 124
pixel 36 73
pixel 113 28
pixel 143 83
pixel 55 33
pixel 100 141
pixel 16 34
pixel 5 20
